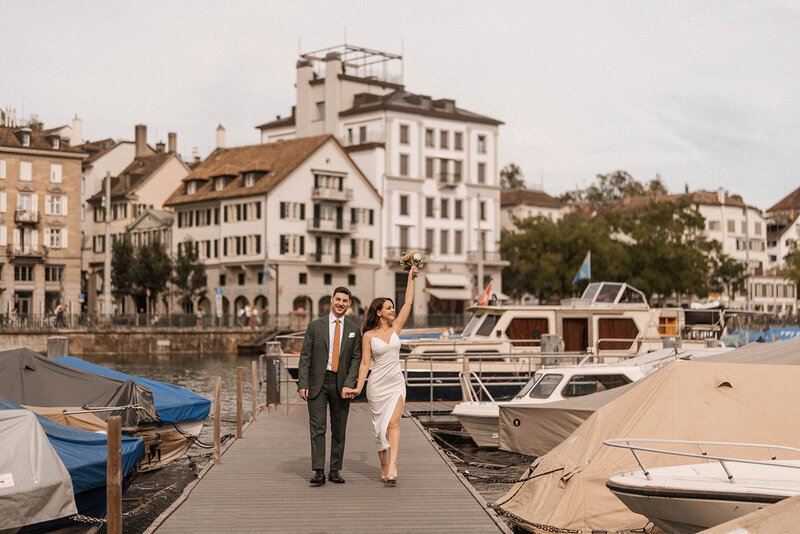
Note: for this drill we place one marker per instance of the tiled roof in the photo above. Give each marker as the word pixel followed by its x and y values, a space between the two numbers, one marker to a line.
pixel 279 121
pixel 407 102
pixel 789 202
pixel 709 198
pixel 134 174
pixel 8 138
pixel 527 197
pixel 96 149
pixel 278 160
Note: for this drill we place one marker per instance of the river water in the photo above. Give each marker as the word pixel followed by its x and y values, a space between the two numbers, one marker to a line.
pixel 197 372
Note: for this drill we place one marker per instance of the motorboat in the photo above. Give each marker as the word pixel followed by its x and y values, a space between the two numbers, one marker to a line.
pixel 50 472
pixel 80 395
pixel 684 499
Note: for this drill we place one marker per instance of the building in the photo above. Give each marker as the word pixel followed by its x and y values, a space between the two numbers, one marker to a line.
pixel 524 203
pixel 39 219
pixel 144 184
pixel 434 164
pixel 301 205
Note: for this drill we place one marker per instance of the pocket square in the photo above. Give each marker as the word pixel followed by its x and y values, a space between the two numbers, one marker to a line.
pixel 352 334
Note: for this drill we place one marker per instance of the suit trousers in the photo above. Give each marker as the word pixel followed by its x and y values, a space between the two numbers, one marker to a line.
pixel 330 397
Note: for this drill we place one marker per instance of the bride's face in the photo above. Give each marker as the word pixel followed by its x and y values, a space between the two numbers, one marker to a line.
pixel 387 310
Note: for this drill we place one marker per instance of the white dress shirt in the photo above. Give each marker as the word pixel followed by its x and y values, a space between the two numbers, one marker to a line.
pixel 331 329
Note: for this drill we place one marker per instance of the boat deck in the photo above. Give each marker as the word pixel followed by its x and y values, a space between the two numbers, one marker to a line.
pixel 262 485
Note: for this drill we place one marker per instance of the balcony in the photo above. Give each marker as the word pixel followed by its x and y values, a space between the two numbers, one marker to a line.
pixel 448 180
pixel 324 226
pixel 27 217
pixel 331 195
pixel 489 258
pixel 355 140
pixel 22 251
pixel 316 259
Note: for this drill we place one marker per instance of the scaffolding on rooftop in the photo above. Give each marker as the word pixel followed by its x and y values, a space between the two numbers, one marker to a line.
pixel 360 62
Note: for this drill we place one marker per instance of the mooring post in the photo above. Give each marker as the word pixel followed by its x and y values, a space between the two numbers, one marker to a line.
pixel 217 416
pixel 238 403
pixel 114 475
pixel 254 377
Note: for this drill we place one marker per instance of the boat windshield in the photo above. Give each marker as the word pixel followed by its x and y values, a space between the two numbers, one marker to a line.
pixel 591 291
pixel 488 325
pixel 608 293
pixel 545 387
pixel 472 324
pixel 529 384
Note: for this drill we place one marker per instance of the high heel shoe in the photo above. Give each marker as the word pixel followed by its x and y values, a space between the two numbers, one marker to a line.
pixel 383 478
pixel 392 479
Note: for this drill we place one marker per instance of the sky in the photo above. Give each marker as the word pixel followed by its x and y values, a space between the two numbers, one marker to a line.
pixel 704 94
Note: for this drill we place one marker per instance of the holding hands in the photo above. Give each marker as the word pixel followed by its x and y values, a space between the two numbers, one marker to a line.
pixel 349 393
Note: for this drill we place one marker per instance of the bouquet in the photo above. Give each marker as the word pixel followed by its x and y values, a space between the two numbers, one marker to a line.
pixel 411 259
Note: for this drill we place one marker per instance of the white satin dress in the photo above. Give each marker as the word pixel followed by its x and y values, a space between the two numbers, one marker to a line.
pixel 386 385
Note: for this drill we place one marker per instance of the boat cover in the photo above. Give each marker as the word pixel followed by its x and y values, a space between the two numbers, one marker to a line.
pixel 34 484
pixel 29 378
pixel 779 517
pixel 173 404
pixel 535 429
pixel 688 400
pixel 83 453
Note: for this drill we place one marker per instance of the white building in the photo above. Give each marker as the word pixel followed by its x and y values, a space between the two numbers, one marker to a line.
pixel 518 204
pixel 434 164
pixel 302 205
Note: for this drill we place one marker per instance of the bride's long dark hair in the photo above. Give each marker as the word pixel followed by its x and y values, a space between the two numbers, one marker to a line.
pixel 372 321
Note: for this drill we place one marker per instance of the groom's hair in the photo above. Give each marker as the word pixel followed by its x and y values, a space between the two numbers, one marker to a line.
pixel 342 289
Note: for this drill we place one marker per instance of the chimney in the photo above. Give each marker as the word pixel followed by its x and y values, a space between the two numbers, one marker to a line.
pixel 141 141
pixel 721 195
pixel 195 155
pixel 77 132
pixel 160 147
pixel 305 107
pixel 220 136
pixel 172 140
pixel 333 69
pixel 686 187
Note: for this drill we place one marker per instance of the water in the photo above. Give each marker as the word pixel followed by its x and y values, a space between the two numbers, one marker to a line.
pixel 197 373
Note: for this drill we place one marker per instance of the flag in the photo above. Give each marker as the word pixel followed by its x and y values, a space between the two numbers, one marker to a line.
pixel 483 300
pixel 265 274
pixel 585 272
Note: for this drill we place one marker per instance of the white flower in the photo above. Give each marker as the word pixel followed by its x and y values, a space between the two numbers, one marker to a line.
pixel 417 256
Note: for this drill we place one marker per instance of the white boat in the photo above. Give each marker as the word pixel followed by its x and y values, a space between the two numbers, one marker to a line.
pixel 685 499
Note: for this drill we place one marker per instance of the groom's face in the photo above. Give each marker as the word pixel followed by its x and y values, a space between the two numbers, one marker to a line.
pixel 340 302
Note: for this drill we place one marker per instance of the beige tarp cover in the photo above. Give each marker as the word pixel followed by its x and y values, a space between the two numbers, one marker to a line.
pixel 777 518
pixel 83 421
pixel 535 429
pixel 688 400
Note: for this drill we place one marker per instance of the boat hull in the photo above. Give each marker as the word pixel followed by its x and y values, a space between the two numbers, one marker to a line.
pixel 483 429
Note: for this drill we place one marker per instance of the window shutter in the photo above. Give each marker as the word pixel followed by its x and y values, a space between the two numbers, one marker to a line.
pixel 283 210
pixel 2 169
pixel 302 245
pixel 64 233
pixel 3 202
pixel 371 217
pixel 3 236
pixel 25 171
pixel 302 212
pixel 34 203
pixel 35 239
pixel 55 173
pixel 258 210
pixel 47 237
pixel 353 248
pixel 371 248
pixel 47 204
pixel 16 238
pixel 283 244
pixel 353 216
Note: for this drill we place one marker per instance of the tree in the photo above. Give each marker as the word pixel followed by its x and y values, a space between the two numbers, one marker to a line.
pixel 729 274
pixel 511 177
pixel 122 268
pixel 656 186
pixel 613 186
pixel 189 274
pixel 792 260
pixel 152 268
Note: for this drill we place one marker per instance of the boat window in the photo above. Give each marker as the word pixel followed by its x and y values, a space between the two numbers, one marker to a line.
pixel 529 384
pixel 608 293
pixel 488 325
pixel 580 385
pixel 545 387
pixel 528 328
pixel 473 322
pixel 590 291
pixel 632 296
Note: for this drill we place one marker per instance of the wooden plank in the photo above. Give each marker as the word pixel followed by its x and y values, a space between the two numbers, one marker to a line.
pixel 114 475
pixel 239 403
pixel 263 485
pixel 217 418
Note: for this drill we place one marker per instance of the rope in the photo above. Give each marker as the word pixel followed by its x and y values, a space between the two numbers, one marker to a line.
pixel 549 528
pixel 87 519
pixel 472 463
pixel 197 440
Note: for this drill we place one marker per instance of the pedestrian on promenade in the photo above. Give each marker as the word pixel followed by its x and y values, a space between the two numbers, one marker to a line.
pixel 329 361
pixel 60 316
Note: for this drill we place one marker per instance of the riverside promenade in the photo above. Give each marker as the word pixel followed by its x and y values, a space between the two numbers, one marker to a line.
pixel 262 485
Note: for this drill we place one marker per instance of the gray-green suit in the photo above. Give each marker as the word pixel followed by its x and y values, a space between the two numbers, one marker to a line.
pixel 325 389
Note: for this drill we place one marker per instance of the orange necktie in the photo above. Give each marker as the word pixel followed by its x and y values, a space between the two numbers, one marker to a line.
pixel 335 357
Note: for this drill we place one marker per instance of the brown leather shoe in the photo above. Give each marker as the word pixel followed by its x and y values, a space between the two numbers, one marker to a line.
pixel 335 477
pixel 319 478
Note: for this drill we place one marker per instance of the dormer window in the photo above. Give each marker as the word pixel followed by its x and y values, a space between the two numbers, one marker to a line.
pixel 26 139
pixel 219 183
pixel 249 179
pixel 191 188
pixel 55 142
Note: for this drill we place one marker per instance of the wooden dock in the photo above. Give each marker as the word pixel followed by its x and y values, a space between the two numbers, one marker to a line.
pixel 262 486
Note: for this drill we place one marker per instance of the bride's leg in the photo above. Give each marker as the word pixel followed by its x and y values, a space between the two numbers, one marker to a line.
pixel 393 436
pixel 384 462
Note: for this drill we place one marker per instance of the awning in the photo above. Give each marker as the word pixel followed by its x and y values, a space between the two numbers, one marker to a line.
pixel 450 293
pixel 447 280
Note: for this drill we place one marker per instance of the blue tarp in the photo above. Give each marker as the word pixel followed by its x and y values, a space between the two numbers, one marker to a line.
pixel 173 404
pixel 84 453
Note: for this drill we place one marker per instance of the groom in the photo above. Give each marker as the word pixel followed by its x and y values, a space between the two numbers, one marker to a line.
pixel 329 360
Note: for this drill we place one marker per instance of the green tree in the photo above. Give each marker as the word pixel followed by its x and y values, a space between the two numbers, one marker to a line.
pixel 511 177
pixel 152 269
pixel 189 274
pixel 792 261
pixel 728 274
pixel 656 186
pixel 123 282
pixel 613 186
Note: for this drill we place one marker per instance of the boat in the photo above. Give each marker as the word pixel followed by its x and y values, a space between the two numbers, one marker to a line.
pixel 503 344
pixel 78 398
pixel 685 499
pixel 35 497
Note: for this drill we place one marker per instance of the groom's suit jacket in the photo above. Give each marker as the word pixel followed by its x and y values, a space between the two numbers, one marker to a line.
pixel 314 355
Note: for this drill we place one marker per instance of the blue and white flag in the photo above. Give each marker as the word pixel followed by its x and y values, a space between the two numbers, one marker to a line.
pixel 265 274
pixel 585 272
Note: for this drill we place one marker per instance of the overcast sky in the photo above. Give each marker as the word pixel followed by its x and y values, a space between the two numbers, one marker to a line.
pixel 704 93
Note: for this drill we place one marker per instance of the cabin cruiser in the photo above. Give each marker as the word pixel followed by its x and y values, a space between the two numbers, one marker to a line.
pixel 684 499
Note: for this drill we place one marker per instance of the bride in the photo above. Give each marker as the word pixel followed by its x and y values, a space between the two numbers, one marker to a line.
pixel 386 390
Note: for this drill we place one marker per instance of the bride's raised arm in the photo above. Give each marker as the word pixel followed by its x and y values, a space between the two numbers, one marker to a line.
pixel 405 311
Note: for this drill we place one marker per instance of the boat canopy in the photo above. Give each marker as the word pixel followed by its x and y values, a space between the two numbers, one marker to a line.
pixel 29 378
pixel 173 404
pixel 687 400
pixel 34 484
pixel 83 453
pixel 613 293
